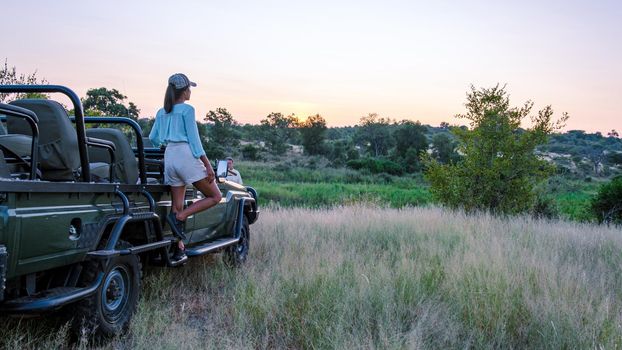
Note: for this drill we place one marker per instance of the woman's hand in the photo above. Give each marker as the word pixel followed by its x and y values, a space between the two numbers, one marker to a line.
pixel 210 174
pixel 210 171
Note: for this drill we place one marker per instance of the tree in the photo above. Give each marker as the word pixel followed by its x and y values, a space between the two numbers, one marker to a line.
pixel 409 135
pixel 615 158
pixel 145 125
pixel 410 143
pixel 277 130
pixel 313 133
pixel 499 168
pixel 596 154
pixel 102 101
pixel 444 148
pixel 375 133
pixel 607 205
pixel 222 135
pixel 9 76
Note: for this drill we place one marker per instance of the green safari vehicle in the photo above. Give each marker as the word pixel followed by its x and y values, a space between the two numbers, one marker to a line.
pixel 81 213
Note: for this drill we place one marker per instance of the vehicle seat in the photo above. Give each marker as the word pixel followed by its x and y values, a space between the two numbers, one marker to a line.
pixel 19 144
pixel 59 156
pixel 126 166
pixel 4 168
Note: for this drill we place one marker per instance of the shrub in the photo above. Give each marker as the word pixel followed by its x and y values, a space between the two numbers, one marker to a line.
pixel 376 166
pixel 607 205
pixel 544 208
pixel 250 152
pixel 499 168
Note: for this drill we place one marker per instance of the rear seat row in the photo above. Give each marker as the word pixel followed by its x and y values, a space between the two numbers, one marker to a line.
pixel 59 158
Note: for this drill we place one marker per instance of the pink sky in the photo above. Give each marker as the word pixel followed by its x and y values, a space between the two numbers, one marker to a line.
pixel 341 59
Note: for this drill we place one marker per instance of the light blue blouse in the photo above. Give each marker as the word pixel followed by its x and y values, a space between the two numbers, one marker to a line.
pixel 177 126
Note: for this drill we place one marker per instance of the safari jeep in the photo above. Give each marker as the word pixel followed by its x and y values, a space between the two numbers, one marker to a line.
pixel 81 212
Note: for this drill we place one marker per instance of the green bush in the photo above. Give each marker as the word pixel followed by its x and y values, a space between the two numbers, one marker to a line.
pixel 499 168
pixel 544 208
pixel 607 205
pixel 376 166
pixel 250 152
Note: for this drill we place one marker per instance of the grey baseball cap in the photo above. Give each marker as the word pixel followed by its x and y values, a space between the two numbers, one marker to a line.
pixel 180 81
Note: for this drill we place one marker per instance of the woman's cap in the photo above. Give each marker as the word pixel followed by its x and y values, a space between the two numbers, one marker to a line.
pixel 180 81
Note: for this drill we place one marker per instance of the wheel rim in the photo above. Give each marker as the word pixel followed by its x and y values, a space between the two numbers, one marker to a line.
pixel 115 293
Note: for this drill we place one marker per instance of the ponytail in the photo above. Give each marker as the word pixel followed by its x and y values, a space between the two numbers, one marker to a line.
pixel 169 98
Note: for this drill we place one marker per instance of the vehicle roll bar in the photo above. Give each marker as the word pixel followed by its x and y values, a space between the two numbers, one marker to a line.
pixel 78 111
pixel 139 139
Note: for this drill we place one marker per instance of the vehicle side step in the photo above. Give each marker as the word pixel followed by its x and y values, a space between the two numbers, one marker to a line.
pixel 146 247
pixel 105 253
pixel 210 247
pixel 50 299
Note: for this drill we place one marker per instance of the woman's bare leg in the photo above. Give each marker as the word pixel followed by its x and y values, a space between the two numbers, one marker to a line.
pixel 212 197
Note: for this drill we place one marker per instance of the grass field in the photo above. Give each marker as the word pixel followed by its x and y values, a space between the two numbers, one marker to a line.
pixel 368 277
pixel 289 185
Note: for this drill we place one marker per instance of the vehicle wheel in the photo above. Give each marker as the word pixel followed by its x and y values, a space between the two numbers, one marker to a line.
pixel 236 254
pixel 108 312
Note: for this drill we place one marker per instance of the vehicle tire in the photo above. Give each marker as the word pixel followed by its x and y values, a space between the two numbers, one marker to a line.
pixel 237 254
pixel 108 312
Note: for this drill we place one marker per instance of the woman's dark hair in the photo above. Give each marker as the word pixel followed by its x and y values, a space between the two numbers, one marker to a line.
pixel 171 96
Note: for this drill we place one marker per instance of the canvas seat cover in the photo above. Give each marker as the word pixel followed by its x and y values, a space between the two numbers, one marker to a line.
pixel 19 144
pixel 58 143
pixel 59 157
pixel 126 167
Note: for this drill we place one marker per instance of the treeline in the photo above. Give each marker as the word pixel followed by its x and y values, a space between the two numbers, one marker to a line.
pixel 376 144
pixel 492 165
pixel 384 145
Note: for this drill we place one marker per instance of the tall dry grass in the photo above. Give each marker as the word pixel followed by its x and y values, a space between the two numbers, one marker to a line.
pixel 364 277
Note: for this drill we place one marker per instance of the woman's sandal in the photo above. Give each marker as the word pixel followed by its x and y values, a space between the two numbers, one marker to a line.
pixel 179 254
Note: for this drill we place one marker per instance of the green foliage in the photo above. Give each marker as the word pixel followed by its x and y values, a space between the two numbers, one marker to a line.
pixel 376 166
pixel 292 183
pixel 615 158
pixel 313 133
pixel 251 152
pixel 278 130
pixel 222 136
pixel 410 135
pixel 592 154
pixel 145 125
pixel 375 134
pixel 9 76
pixel 410 143
pixel 444 148
pixel 544 207
pixel 109 102
pixel 340 151
pixel 499 168
pixel 607 205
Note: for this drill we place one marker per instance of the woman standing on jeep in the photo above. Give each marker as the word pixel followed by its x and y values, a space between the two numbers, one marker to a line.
pixel 185 161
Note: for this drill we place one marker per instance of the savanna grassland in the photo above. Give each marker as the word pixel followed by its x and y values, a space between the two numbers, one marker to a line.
pixel 369 277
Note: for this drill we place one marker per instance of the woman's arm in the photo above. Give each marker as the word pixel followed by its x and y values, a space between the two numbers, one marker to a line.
pixel 194 141
pixel 154 135
pixel 210 170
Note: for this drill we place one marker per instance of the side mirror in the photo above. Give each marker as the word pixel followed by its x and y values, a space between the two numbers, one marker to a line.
pixel 221 170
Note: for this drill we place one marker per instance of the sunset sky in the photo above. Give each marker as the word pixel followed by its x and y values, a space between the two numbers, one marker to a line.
pixel 341 59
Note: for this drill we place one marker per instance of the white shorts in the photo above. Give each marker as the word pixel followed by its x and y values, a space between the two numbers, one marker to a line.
pixel 180 166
